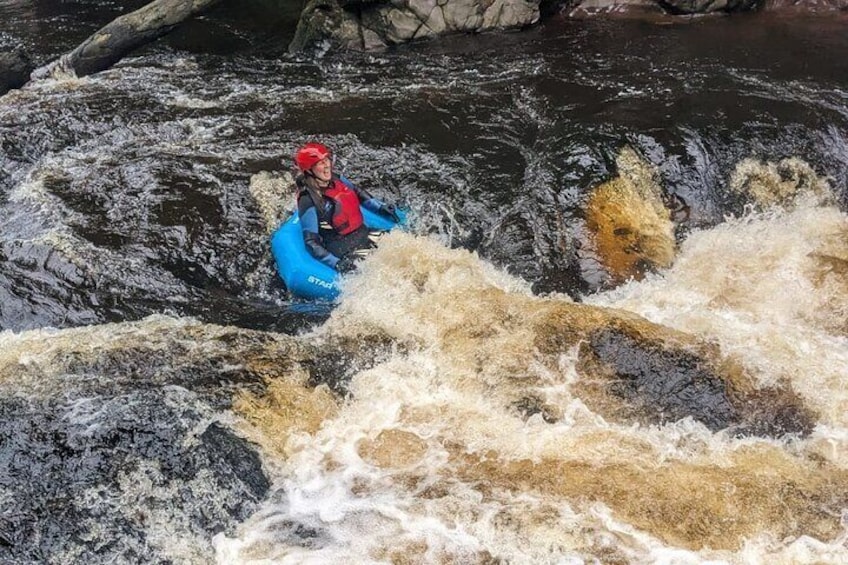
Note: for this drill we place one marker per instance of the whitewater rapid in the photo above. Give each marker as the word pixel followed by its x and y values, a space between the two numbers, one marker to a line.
pixel 427 459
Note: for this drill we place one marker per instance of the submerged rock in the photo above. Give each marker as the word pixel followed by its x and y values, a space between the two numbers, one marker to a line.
pixel 634 370
pixel 15 68
pixel 662 383
pixel 693 504
pixel 114 443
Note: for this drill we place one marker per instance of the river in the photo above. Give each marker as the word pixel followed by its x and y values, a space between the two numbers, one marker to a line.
pixel 437 414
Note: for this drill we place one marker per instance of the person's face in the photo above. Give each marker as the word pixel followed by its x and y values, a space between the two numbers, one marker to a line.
pixel 323 169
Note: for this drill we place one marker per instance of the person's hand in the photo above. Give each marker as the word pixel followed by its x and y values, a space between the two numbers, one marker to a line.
pixel 391 210
pixel 346 264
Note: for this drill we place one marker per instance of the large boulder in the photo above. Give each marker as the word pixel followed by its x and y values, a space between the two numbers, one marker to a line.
pixel 375 25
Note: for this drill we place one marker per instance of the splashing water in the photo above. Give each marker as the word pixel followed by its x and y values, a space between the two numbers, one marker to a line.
pixel 437 454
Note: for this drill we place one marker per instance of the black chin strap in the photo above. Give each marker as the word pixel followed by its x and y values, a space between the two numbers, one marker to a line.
pixel 309 173
pixel 314 192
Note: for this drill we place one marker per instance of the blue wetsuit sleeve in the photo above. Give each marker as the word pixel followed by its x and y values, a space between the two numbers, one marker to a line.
pixel 368 201
pixel 373 204
pixel 311 236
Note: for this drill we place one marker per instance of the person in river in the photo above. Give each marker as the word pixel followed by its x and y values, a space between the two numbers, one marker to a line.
pixel 329 207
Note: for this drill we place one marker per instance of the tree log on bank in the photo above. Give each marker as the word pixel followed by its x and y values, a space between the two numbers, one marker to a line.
pixel 123 35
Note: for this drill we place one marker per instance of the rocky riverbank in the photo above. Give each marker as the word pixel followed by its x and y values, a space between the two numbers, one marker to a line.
pixel 369 24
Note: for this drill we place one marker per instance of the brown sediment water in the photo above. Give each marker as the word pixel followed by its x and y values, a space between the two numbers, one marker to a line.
pixel 630 226
pixel 497 430
pixel 758 491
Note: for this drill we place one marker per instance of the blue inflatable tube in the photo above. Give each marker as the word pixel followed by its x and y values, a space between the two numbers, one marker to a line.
pixel 304 275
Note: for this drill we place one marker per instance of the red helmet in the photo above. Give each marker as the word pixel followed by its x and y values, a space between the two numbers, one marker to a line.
pixel 309 154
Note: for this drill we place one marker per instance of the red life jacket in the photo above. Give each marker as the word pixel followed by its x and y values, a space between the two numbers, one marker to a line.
pixel 347 216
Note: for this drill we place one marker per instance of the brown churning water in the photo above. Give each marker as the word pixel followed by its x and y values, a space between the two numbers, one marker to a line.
pixel 497 423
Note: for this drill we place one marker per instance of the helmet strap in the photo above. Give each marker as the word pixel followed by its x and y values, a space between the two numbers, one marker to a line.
pixel 314 193
pixel 315 181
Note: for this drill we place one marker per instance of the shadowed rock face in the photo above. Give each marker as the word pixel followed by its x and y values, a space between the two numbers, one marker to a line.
pixel 325 20
pixel 112 449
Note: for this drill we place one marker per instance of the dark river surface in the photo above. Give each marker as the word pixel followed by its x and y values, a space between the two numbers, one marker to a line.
pixel 137 292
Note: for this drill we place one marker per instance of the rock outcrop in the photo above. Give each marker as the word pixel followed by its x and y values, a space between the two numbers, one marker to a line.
pixel 368 25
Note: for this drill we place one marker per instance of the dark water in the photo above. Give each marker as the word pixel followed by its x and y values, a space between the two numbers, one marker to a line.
pixel 126 194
